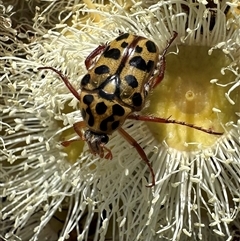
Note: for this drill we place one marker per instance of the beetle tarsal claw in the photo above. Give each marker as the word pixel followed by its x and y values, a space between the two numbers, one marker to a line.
pixel 109 156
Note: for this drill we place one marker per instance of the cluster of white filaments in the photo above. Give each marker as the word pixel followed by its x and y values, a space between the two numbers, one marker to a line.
pixel 46 195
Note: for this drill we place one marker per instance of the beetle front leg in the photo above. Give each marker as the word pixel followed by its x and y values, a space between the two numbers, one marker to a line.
pixel 109 155
pixel 78 128
pixel 90 58
pixel 170 121
pixel 156 80
pixel 140 151
pixel 65 80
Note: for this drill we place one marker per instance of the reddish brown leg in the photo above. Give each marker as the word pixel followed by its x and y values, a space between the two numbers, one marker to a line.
pixel 109 155
pixel 160 76
pixel 169 121
pixel 140 151
pixel 68 143
pixel 90 58
pixel 78 127
pixel 65 80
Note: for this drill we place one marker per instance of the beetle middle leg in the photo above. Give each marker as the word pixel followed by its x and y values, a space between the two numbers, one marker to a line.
pixel 140 151
pixel 170 121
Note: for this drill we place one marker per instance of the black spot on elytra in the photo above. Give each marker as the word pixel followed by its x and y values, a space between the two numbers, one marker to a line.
pixel 85 79
pixel 102 69
pixel 101 108
pixel 138 62
pixel 103 125
pixel 137 99
pixel 138 49
pixel 124 44
pixel 88 99
pixel 151 47
pixel 113 54
pixel 150 65
pixel 115 125
pixel 123 36
pixel 91 118
pixel 131 80
pixel 118 110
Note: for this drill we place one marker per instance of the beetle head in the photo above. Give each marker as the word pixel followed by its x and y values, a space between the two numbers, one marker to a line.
pixel 96 143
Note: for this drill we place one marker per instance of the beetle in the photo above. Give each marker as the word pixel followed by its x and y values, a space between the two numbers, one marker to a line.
pixel 120 75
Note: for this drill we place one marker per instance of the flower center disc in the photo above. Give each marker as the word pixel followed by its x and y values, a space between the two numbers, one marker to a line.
pixel 193 91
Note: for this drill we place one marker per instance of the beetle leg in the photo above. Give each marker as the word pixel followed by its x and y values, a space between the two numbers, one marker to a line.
pixel 90 58
pixel 69 142
pixel 109 155
pixel 140 151
pixel 156 80
pixel 65 80
pixel 170 121
pixel 78 128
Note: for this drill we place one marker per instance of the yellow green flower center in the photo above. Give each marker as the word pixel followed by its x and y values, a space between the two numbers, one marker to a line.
pixel 193 91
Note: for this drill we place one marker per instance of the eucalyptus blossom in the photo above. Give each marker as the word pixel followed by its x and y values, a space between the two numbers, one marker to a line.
pixel 68 193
